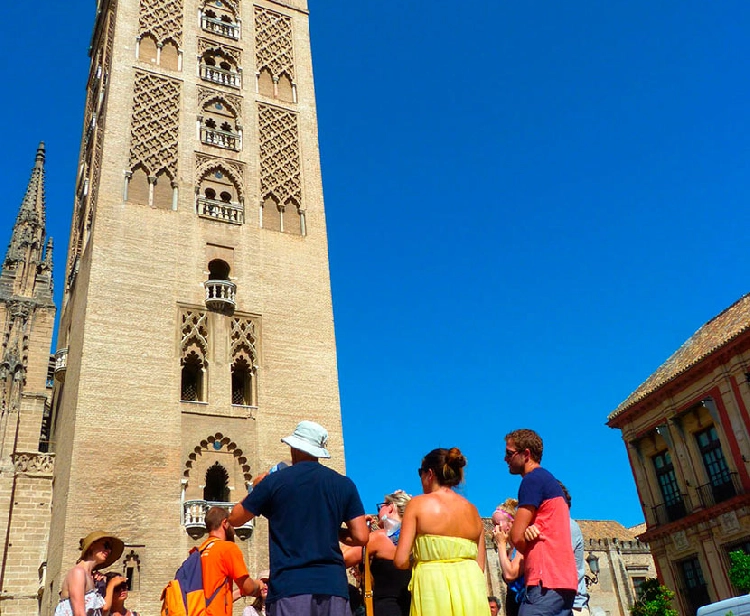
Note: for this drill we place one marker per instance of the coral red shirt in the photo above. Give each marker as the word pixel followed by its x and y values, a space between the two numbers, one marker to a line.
pixel 548 559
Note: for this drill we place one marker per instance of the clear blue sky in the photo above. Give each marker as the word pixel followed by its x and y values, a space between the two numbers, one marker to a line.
pixel 530 206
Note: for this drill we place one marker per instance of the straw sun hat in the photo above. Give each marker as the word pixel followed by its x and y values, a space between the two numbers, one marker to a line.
pixel 117 546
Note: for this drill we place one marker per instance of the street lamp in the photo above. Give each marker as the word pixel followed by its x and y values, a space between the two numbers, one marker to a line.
pixel 593 562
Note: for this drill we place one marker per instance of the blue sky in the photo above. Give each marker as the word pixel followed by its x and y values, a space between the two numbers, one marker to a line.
pixel 530 206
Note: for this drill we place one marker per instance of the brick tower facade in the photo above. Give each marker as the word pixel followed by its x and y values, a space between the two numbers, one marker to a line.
pixel 27 318
pixel 196 326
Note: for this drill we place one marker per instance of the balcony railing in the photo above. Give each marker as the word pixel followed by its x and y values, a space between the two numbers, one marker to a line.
pixel 61 364
pixel 721 489
pixel 194 518
pixel 221 210
pixel 219 138
pixel 674 511
pixel 220 294
pixel 222 28
pixel 220 75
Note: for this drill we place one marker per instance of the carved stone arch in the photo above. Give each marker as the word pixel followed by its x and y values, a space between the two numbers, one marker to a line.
pixel 207 444
pixel 212 165
pixel 232 101
pixel 230 6
pixel 219 98
pixel 229 53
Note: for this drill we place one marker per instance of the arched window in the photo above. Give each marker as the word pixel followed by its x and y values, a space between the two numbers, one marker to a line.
pixel 191 385
pixel 220 291
pixel 217 484
pixel 242 382
pixel 218 270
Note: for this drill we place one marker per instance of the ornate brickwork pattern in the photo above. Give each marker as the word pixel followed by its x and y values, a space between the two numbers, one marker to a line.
pixel 207 445
pixel 155 124
pixel 279 155
pixel 194 332
pixel 162 19
pixel 273 42
pixel 233 102
pixel 234 170
pixel 244 340
pixel 39 464
pixel 232 53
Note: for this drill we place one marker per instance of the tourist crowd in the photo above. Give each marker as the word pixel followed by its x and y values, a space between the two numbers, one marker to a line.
pixel 419 556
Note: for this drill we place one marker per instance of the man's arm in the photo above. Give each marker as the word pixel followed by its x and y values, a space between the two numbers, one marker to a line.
pixel 524 518
pixel 357 532
pixel 248 586
pixel 240 515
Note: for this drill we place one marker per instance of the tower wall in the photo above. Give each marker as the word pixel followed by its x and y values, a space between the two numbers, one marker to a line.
pixel 130 449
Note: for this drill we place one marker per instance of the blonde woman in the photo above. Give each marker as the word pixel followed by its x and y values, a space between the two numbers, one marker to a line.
pixel 390 586
pixel 511 560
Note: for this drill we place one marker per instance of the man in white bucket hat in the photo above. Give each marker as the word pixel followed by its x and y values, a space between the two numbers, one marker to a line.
pixel 305 504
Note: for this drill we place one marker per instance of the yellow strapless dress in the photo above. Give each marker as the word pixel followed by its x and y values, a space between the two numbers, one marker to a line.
pixel 446 579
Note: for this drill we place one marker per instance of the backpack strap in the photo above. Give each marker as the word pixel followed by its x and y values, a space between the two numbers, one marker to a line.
pixel 227 580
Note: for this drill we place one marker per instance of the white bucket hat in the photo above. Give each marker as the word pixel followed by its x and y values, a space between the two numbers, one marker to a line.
pixel 309 437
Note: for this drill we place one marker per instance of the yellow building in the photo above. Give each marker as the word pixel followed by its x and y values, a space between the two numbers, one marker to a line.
pixel 687 434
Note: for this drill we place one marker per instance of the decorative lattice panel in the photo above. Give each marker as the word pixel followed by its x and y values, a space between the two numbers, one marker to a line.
pixel 162 19
pixel 193 332
pixel 273 42
pixel 244 340
pixel 155 124
pixel 279 155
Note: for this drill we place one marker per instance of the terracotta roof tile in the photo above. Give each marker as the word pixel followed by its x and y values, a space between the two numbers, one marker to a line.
pixel 605 529
pixel 713 335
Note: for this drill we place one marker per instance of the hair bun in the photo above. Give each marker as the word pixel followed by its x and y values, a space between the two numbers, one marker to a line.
pixel 456 458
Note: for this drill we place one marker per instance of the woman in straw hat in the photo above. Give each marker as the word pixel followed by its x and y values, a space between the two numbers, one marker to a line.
pixel 78 596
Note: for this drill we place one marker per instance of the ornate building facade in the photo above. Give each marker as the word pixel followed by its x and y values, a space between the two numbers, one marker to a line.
pixel 196 323
pixel 687 434
pixel 27 318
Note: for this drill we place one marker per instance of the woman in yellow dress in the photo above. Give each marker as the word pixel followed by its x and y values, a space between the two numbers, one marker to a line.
pixel 442 538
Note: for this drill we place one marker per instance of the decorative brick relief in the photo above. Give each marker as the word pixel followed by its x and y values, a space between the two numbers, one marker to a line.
pixel 234 103
pixel 231 53
pixel 224 442
pixel 244 339
pixel 162 19
pixel 273 43
pixel 280 176
pixel 235 171
pixel 194 332
pixel 155 124
pixel 38 464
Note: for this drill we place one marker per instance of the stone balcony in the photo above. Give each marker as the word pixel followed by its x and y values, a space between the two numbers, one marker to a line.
pixel 61 364
pixel 194 518
pixel 220 294
pixel 222 28
pixel 220 138
pixel 220 76
pixel 232 213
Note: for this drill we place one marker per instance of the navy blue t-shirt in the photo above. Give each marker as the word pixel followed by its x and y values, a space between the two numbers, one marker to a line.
pixel 305 505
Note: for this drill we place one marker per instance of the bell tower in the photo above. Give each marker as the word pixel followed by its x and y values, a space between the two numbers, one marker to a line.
pixel 197 327
pixel 27 318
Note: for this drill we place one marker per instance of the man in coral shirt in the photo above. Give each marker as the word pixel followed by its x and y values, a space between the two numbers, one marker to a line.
pixel 222 563
pixel 550 568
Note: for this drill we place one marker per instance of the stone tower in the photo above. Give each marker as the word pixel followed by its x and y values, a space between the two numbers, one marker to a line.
pixel 196 327
pixel 27 318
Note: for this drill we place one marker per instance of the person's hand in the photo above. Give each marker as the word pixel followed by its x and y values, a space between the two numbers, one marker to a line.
pixel 500 536
pixel 373 523
pixel 259 478
pixel 531 533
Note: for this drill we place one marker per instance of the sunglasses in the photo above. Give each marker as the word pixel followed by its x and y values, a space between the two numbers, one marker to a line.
pixel 379 506
pixel 509 453
pixel 121 587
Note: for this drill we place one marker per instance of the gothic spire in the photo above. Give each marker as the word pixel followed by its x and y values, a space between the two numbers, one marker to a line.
pixel 26 249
